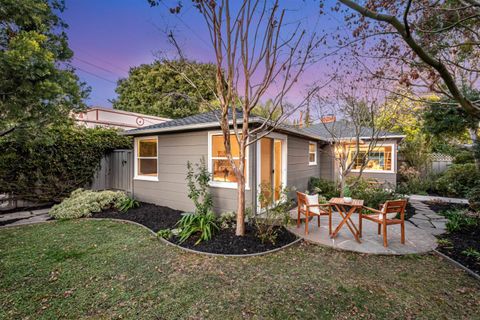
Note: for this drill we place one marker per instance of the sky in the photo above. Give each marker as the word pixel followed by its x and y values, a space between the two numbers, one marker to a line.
pixel 110 36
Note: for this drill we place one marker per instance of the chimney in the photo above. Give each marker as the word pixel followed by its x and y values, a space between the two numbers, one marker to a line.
pixel 328 118
pixel 300 121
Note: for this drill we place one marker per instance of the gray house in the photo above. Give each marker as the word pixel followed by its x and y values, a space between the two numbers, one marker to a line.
pixel 288 156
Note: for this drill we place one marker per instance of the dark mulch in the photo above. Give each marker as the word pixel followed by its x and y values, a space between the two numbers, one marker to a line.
pixel 459 242
pixel 223 242
pixel 150 215
pixel 409 211
pixel 439 206
pixel 226 242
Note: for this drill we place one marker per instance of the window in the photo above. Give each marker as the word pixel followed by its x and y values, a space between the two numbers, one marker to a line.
pixel 312 153
pixel 220 167
pixel 146 158
pixel 377 159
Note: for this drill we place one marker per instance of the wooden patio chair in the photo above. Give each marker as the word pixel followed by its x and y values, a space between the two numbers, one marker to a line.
pixel 385 217
pixel 310 208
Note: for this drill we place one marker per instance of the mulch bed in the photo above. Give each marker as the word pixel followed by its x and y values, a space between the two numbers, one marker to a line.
pixel 226 242
pixel 150 215
pixel 223 242
pixel 459 240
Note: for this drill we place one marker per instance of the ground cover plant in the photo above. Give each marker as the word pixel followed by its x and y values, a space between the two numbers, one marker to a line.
pixel 127 273
pixel 83 203
pixel 462 241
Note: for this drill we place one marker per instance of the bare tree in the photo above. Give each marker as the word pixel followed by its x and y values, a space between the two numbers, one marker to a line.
pixel 427 41
pixel 257 56
pixel 357 134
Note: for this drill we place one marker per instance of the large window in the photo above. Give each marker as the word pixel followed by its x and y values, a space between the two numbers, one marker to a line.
pixel 220 167
pixel 312 153
pixel 376 159
pixel 146 158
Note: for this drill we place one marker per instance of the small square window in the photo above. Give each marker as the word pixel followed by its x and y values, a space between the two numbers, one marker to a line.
pixel 312 153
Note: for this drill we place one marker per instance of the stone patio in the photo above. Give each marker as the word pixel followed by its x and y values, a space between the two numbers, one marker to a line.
pixel 24 217
pixel 416 239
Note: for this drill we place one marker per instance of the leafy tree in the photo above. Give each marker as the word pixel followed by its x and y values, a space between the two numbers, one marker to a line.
pixel 37 84
pixel 172 89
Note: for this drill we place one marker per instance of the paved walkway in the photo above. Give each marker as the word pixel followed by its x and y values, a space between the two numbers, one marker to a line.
pixel 418 197
pixel 416 240
pixel 24 217
pixel 426 219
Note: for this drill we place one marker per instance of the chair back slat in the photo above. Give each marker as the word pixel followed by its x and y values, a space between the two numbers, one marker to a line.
pixel 301 199
pixel 395 206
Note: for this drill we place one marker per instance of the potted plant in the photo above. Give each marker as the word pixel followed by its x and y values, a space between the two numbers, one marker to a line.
pixel 347 194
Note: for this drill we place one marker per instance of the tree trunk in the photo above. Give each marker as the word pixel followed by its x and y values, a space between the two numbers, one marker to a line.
pixel 476 146
pixel 240 231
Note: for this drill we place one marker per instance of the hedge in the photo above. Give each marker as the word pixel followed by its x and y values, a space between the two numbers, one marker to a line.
pixel 49 167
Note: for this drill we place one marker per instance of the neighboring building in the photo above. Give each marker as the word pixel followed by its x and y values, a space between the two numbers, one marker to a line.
pixel 112 118
pixel 289 156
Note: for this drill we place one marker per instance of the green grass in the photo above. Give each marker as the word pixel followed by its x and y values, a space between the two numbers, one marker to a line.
pixel 105 269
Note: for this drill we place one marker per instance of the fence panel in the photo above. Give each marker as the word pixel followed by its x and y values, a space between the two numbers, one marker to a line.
pixel 115 172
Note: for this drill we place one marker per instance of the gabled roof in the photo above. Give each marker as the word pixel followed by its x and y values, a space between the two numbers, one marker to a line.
pixel 343 129
pixel 210 120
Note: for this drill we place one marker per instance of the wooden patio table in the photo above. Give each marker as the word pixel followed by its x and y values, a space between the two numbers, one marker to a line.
pixel 341 206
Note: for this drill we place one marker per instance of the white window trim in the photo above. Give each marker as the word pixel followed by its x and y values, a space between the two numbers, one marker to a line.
pixel 284 139
pixel 135 166
pixel 313 163
pixel 224 184
pixel 394 159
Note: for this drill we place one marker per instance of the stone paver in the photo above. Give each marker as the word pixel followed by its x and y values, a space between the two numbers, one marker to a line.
pixel 427 219
pixel 417 197
pixel 416 239
pixel 25 217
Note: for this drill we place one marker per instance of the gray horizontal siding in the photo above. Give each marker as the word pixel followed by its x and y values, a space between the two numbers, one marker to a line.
pixel 298 169
pixel 174 151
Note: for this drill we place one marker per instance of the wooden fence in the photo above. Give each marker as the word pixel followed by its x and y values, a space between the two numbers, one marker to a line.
pixel 115 172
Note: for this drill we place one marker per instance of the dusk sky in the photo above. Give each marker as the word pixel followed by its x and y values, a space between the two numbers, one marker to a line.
pixel 110 36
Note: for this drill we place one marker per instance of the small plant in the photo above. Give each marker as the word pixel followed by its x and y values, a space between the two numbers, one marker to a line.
pixel 347 192
pixel 165 234
pixel 323 187
pixel 198 188
pixel 459 219
pixel 127 204
pixel 472 253
pixel 274 215
pixel 82 203
pixel 227 220
pixel 193 223
pixel 444 243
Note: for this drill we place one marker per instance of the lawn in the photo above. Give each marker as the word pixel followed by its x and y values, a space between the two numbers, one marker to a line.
pixel 107 269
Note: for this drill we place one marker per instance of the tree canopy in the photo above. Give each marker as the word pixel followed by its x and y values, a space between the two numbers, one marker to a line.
pixel 168 88
pixel 37 85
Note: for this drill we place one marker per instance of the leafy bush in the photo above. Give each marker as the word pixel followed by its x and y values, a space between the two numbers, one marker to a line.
pixel 127 204
pixel 192 223
pixel 474 198
pixel 472 253
pixel 82 203
pixel 372 193
pixel 274 215
pixel 323 187
pixel 165 234
pixel 50 166
pixel 227 220
pixel 458 180
pixel 412 182
pixel 463 157
pixel 459 220
pixel 198 188
pixel 203 220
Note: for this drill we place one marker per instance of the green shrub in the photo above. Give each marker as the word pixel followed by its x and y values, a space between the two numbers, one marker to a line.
pixel 458 180
pixel 127 204
pixel 323 187
pixel 459 220
pixel 463 157
pixel 474 198
pixel 227 219
pixel 165 234
pixel 193 223
pixel 82 203
pixel 50 166
pixel 472 253
pixel 372 194
pixel 274 214
pixel 411 181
